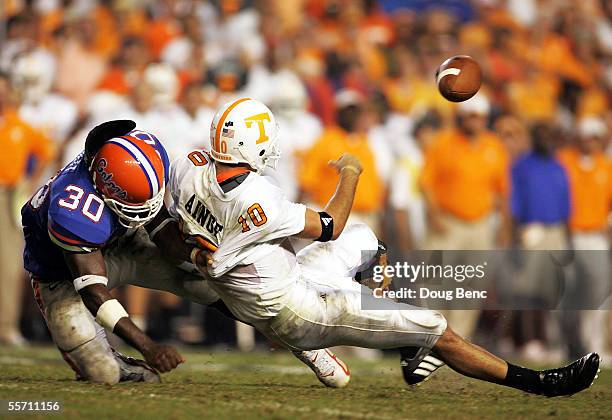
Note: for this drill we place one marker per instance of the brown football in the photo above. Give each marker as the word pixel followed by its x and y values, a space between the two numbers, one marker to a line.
pixel 459 78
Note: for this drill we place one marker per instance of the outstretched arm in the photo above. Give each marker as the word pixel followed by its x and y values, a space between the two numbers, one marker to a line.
pixel 339 206
pixel 89 272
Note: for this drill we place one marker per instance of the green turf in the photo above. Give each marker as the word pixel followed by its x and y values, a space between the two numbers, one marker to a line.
pixel 275 385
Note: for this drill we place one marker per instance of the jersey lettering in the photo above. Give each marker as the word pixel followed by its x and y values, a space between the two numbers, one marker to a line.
pixel 257 216
pixel 202 215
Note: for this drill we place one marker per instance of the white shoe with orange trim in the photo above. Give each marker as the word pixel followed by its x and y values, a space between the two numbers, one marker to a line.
pixel 330 370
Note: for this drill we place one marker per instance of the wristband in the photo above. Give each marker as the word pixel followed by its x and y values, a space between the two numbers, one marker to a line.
pixel 351 168
pixel 109 313
pixel 87 280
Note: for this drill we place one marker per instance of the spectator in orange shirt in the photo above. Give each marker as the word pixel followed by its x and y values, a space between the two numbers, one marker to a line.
pixel 465 181
pixel 590 182
pixel 127 68
pixel 535 96
pixel 160 32
pixel 317 178
pixel 552 53
pixel 18 142
pixel 590 176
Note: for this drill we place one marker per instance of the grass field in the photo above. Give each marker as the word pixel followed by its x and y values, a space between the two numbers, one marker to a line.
pixel 275 385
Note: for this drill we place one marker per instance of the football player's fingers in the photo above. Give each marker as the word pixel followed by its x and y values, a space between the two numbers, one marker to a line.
pixel 177 361
pixel 179 358
pixel 174 363
pixel 201 258
pixel 155 363
pixel 333 163
pixel 174 358
pixel 165 364
pixel 204 259
pixel 162 361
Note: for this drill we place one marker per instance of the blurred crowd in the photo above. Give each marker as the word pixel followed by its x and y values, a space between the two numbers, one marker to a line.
pixel 525 163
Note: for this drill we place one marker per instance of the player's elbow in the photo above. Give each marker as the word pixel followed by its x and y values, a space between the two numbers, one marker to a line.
pixel 338 228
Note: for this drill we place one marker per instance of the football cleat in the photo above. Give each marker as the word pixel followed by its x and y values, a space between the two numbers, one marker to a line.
pixel 570 379
pixel 330 370
pixel 135 370
pixel 416 368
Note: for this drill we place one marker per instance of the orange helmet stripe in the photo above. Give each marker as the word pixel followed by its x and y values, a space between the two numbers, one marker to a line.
pixel 217 145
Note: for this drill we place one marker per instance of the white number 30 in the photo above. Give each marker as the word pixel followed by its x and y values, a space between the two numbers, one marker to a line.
pixel 74 199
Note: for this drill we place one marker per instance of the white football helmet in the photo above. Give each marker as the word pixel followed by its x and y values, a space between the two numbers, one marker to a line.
pixel 245 131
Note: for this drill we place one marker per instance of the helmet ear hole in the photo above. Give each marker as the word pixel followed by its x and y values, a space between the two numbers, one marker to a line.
pixel 262 152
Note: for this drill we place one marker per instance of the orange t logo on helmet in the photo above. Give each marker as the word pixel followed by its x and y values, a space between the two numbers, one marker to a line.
pixel 259 119
pixel 254 141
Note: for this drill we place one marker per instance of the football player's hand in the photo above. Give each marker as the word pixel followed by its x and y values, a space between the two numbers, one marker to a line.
pixel 163 358
pixel 347 161
pixel 203 260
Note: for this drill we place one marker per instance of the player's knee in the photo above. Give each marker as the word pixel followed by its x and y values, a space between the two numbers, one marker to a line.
pixel 448 340
pixel 360 233
pixel 70 323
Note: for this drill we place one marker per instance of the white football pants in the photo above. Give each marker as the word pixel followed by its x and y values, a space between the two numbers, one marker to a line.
pixel 324 307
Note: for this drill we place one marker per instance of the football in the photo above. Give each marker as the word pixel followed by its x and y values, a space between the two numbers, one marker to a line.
pixel 459 78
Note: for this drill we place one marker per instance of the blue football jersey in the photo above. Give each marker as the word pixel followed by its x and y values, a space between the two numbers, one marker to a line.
pixel 66 214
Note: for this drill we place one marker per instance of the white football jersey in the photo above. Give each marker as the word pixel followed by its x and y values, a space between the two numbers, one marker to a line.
pixel 254 266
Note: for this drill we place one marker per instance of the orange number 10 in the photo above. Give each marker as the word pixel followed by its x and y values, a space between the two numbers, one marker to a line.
pixel 257 216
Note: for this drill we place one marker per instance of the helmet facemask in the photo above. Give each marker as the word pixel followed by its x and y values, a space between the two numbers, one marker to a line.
pixel 133 216
pixel 271 155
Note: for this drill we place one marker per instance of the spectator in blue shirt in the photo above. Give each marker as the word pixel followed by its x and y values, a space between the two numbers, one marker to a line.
pixel 539 203
pixel 539 186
